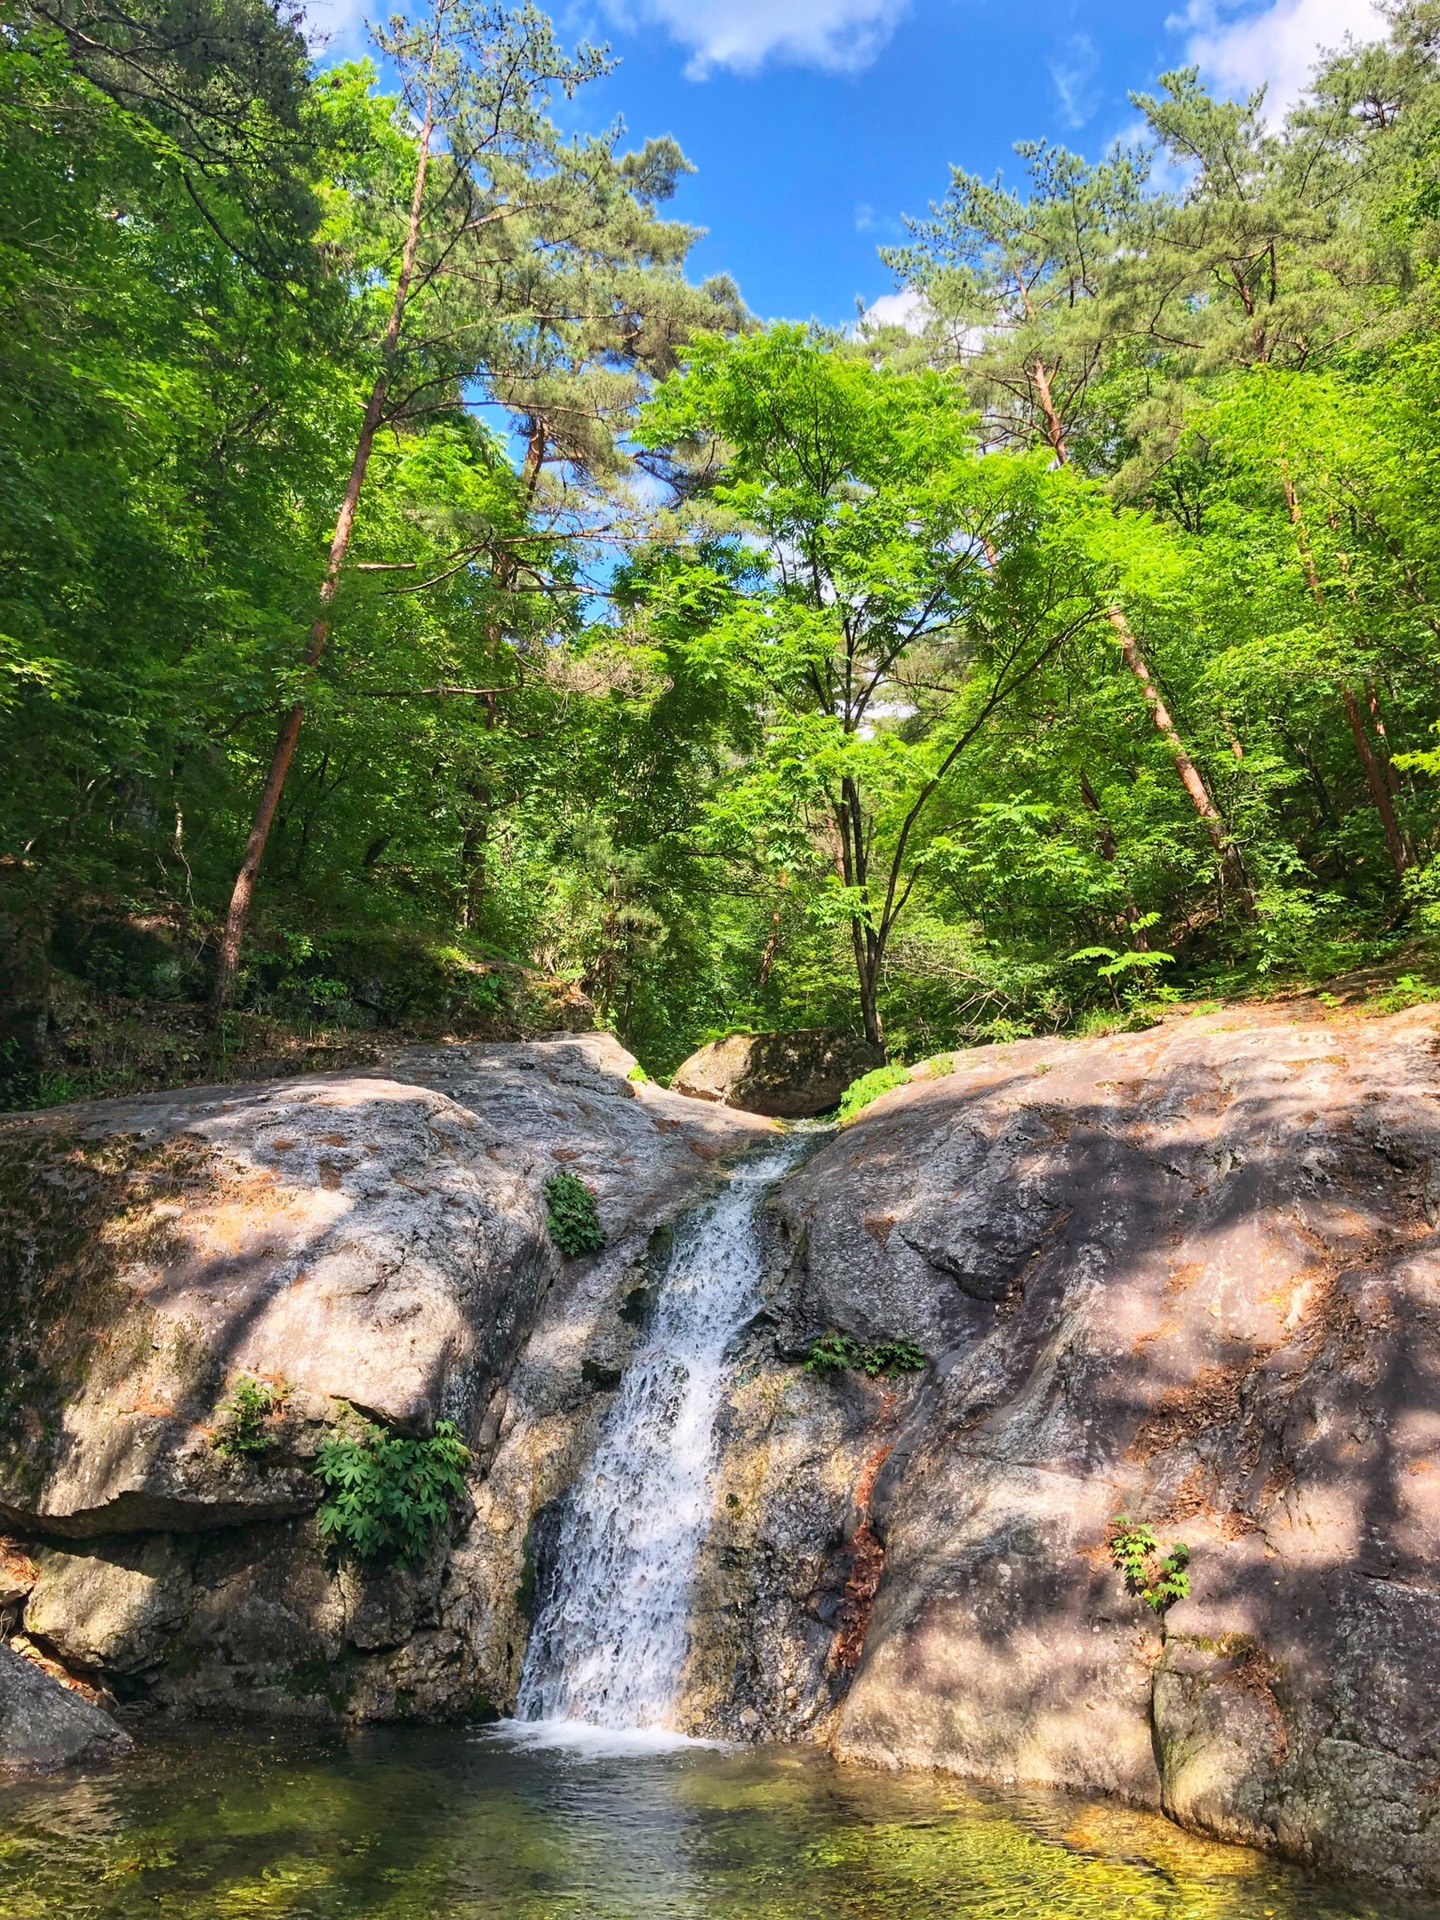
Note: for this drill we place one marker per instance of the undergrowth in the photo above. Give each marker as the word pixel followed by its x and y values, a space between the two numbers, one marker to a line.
pixel 869 1087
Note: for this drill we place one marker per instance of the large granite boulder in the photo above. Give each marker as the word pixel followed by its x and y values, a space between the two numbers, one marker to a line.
pixel 791 1076
pixel 1190 1276
pixel 374 1241
pixel 374 1238
pixel 44 1725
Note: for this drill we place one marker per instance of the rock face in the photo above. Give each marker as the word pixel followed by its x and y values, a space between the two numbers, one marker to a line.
pixel 44 1725
pixel 791 1076
pixel 368 1241
pixel 1190 1276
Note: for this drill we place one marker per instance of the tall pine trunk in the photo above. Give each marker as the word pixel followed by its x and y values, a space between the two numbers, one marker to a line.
pixel 1130 652
pixel 237 918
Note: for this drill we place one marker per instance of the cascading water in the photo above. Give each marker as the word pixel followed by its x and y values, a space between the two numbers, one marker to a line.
pixel 610 1638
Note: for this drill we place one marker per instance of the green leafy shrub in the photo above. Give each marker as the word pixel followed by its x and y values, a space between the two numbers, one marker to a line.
pixel 832 1353
pixel 869 1087
pixel 246 1416
pixel 1135 1552
pixel 1408 991
pixel 572 1216
pixel 892 1356
pixel 388 1494
pixel 837 1353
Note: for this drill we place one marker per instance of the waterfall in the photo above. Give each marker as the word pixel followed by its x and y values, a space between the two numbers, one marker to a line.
pixel 611 1633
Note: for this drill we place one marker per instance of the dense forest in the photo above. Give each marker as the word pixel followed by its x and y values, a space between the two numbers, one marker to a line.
pixel 420 594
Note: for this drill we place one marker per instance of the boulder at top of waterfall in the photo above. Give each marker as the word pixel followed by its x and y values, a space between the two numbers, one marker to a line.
pixel 790 1076
pixel 44 1725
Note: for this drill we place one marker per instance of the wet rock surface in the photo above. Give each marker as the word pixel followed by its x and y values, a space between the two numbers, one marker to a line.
pixel 1190 1276
pixel 791 1076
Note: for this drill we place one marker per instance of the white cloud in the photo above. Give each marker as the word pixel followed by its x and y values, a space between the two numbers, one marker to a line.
pixel 1073 70
pixel 1277 46
pixel 908 309
pixel 841 35
pixel 336 29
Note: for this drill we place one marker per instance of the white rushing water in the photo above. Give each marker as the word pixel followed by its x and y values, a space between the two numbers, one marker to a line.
pixel 610 1639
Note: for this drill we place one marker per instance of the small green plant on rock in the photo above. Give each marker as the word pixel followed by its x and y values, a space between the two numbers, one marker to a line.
pixel 837 1353
pixel 869 1087
pixel 892 1356
pixel 1408 991
pixel 832 1353
pixel 1135 1552
pixel 389 1494
pixel 246 1417
pixel 572 1216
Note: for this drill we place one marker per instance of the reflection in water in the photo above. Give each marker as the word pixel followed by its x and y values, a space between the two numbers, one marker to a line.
pixel 422 1825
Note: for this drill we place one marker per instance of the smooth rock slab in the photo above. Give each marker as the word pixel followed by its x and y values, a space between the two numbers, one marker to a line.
pixel 1191 1276
pixel 378 1239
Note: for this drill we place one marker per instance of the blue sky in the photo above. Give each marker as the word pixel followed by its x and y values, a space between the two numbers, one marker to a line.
pixel 814 124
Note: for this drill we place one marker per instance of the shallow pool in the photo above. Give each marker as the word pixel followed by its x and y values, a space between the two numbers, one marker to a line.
pixel 445 1825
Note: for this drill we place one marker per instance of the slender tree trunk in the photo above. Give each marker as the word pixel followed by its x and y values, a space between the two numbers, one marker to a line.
pixel 1396 844
pixel 238 917
pixel 1372 701
pixel 851 864
pixel 1199 793
pixel 772 943
pixel 1377 720
pixel 474 849
pixel 868 955
pixel 1102 825
pixel 1211 817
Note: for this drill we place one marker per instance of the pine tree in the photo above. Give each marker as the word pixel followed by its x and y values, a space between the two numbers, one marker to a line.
pixel 529 266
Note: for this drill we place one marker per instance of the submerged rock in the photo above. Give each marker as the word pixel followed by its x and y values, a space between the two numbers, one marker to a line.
pixel 1190 1276
pixel 791 1076
pixel 44 1726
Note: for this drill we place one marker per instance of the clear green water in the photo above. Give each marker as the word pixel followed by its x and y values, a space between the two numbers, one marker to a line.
pixel 422 1825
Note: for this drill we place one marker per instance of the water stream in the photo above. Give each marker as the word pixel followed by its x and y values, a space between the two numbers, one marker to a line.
pixel 611 1630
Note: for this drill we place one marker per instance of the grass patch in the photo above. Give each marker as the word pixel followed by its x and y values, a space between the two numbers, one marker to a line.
pixel 246 1415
